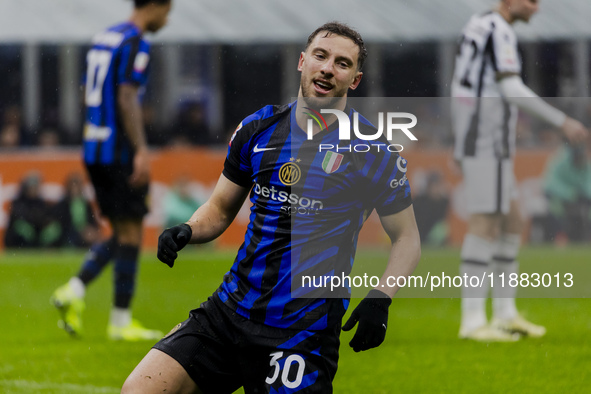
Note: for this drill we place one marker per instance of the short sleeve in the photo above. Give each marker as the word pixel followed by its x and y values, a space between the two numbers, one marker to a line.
pixel 392 189
pixel 134 61
pixel 237 166
pixel 504 50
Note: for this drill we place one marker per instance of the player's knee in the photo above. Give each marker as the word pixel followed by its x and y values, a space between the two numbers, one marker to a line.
pixel 129 386
pixel 130 238
pixel 484 226
pixel 134 385
pixel 128 232
pixel 514 225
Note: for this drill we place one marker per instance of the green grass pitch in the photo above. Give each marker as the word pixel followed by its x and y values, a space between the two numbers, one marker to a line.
pixel 421 353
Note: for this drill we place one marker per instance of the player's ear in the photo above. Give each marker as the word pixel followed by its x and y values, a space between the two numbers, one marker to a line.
pixel 301 61
pixel 356 80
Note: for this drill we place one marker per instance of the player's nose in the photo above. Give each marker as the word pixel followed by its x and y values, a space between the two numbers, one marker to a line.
pixel 328 67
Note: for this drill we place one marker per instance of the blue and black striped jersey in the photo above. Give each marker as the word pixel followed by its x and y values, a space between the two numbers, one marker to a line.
pixel 308 206
pixel 119 55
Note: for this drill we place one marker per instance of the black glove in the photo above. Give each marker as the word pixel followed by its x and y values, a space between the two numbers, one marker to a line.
pixel 372 315
pixel 171 241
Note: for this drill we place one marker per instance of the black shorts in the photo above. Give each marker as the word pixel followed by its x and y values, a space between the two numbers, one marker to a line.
pixel 223 351
pixel 115 196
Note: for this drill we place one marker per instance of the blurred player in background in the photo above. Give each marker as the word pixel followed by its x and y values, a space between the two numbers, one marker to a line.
pixel 256 331
pixel 567 185
pixel 488 90
pixel 116 157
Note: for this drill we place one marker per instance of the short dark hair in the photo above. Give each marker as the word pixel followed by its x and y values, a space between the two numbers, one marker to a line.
pixel 143 3
pixel 342 30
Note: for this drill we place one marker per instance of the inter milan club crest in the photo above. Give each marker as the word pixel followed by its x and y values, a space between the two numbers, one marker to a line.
pixel 332 161
pixel 290 173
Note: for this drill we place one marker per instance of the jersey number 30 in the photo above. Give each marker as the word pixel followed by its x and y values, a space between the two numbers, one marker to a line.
pixel 98 66
pixel 289 361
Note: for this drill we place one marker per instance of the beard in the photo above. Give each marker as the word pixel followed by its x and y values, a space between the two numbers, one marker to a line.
pixel 316 102
pixel 154 27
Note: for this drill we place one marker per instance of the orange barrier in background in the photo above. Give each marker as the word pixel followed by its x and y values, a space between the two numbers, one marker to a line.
pixel 204 167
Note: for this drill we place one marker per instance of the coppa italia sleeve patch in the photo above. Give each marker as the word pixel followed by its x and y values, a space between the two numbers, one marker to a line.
pixel 508 54
pixel 141 62
pixel 235 132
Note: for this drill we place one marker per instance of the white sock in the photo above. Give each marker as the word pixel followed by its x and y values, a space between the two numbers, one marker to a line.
pixel 506 249
pixel 476 256
pixel 120 317
pixel 77 286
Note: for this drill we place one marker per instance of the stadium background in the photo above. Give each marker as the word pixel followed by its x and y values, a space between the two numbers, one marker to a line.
pixel 229 58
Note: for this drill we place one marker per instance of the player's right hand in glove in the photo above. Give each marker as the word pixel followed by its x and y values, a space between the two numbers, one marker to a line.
pixel 171 241
pixel 372 315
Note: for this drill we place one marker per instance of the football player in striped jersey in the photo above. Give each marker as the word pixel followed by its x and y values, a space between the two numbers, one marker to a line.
pixel 116 157
pixel 487 92
pixel 263 329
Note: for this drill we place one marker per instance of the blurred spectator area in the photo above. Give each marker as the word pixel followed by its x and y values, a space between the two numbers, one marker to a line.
pixel 433 176
pixel 566 187
pixel 40 215
pixel 197 93
pixel 431 205
pixel 218 61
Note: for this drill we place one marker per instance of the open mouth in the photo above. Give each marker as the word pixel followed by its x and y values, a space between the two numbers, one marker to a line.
pixel 322 87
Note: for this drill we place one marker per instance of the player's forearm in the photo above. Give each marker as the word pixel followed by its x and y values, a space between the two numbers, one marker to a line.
pixel 208 222
pixel 213 218
pixel 404 257
pixel 131 114
pixel 515 92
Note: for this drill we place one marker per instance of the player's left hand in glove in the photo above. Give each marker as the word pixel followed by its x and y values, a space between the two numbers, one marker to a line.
pixel 372 315
pixel 171 241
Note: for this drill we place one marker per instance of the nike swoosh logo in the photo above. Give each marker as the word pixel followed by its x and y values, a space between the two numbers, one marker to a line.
pixel 257 149
pixel 383 325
